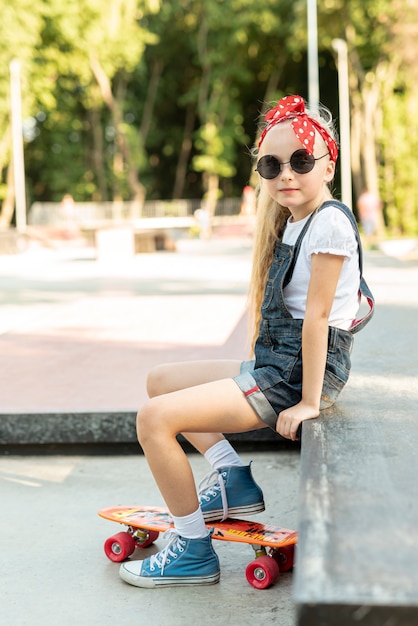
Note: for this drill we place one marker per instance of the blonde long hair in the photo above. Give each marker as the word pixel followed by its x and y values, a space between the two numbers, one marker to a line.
pixel 270 225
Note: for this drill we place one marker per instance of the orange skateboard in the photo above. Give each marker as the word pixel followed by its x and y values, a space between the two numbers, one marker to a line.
pixel 273 546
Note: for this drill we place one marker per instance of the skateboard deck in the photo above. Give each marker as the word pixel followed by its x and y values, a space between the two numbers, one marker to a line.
pixel 273 545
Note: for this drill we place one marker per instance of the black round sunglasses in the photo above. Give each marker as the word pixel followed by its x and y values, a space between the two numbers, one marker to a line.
pixel 301 162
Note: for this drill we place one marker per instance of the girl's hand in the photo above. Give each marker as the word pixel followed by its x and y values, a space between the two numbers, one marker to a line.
pixel 290 419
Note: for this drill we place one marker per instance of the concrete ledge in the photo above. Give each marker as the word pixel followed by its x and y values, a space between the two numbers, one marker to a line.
pixel 89 428
pixel 358 510
pixel 66 428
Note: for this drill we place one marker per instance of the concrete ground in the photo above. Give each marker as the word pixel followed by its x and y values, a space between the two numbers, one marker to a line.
pixel 80 334
pixel 54 570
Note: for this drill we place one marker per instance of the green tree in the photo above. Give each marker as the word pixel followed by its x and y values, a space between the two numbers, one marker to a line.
pixel 214 58
pixel 96 45
pixel 127 97
pixel 381 37
pixel 78 60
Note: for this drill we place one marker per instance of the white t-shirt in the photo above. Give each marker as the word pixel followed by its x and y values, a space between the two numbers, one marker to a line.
pixel 329 232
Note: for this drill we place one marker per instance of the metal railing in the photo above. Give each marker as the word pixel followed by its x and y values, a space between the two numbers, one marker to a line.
pixel 81 213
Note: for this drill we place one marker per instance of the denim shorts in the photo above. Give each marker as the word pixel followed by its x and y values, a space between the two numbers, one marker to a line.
pixel 273 382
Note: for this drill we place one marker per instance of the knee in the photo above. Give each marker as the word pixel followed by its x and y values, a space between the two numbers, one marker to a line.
pixel 157 381
pixel 153 422
pixel 144 421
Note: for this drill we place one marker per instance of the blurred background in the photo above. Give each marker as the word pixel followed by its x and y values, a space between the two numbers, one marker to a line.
pixel 136 109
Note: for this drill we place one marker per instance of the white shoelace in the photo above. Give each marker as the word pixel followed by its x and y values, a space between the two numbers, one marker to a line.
pixel 212 483
pixel 175 545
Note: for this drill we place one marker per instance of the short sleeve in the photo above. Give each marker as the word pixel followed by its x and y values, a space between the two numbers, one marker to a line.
pixel 331 233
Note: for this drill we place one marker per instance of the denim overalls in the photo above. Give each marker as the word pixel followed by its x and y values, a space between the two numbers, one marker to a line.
pixel 273 382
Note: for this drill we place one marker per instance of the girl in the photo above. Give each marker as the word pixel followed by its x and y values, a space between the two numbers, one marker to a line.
pixel 304 296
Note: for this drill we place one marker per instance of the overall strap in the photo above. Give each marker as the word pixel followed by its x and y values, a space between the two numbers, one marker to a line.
pixel 296 250
pixel 364 289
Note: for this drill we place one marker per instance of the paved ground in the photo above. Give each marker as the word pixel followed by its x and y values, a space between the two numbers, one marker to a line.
pixel 79 335
pixel 53 568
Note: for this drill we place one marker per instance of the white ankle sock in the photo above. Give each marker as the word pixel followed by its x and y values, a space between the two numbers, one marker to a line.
pixel 222 454
pixel 191 526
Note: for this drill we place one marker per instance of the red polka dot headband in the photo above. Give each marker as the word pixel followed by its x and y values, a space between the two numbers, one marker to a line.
pixel 293 108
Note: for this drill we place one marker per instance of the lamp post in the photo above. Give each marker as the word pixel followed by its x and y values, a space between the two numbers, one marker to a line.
pixel 313 71
pixel 340 46
pixel 17 142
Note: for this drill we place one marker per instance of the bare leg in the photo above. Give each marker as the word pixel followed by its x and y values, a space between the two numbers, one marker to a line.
pixel 213 407
pixel 170 377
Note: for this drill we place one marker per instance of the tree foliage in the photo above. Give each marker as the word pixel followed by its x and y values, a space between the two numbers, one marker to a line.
pixel 127 99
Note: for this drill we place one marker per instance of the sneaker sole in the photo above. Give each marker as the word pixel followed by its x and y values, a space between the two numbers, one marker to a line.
pixel 238 511
pixel 168 581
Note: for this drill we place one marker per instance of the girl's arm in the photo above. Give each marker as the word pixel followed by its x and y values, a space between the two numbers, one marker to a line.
pixel 326 269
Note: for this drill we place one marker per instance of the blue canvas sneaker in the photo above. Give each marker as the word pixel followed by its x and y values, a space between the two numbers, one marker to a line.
pixel 181 562
pixel 230 492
